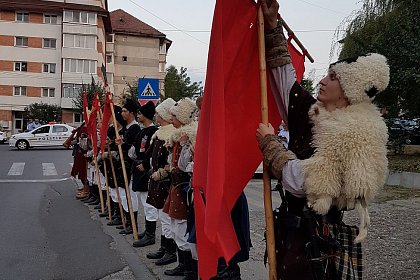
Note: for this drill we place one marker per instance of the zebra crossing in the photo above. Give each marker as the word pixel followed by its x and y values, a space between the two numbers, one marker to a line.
pixel 48 169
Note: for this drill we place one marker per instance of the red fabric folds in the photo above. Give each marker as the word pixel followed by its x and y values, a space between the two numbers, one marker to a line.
pixel 226 152
pixel 85 107
pixel 91 127
pixel 298 60
pixel 105 120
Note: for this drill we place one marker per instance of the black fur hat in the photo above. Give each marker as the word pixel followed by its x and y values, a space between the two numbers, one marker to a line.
pixel 131 105
pixel 148 110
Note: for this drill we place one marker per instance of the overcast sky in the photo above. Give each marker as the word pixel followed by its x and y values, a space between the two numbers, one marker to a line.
pixel 188 23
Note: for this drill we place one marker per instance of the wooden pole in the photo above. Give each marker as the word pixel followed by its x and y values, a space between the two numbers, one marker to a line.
pixel 108 198
pixel 269 221
pixel 101 197
pixel 116 188
pixel 127 190
pixel 298 42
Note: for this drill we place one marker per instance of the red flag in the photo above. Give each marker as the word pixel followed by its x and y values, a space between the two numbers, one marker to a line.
pixel 105 120
pixel 298 59
pixel 91 127
pixel 226 153
pixel 85 107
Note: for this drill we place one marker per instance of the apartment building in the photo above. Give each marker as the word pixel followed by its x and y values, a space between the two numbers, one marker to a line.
pixel 134 50
pixel 47 49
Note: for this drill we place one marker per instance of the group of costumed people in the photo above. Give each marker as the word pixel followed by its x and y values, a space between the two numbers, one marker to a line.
pixel 335 162
pixel 159 164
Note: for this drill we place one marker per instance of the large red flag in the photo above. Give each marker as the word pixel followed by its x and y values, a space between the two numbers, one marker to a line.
pixel 298 59
pixel 91 127
pixel 105 120
pixel 85 107
pixel 226 153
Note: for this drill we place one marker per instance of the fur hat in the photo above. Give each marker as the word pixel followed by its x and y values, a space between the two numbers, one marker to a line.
pixel 118 116
pixel 184 110
pixel 148 110
pixel 361 78
pixel 131 105
pixel 163 109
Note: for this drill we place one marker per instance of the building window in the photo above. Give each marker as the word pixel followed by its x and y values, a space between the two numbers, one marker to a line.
pixel 50 19
pixel 110 38
pixel 79 41
pixel 80 66
pixel 162 49
pixel 48 68
pixel 50 43
pixel 77 117
pixel 22 17
pixel 21 66
pixel 161 67
pixel 80 17
pixel 71 90
pixel 19 91
pixel 21 41
pixel 109 58
pixel 124 58
pixel 48 92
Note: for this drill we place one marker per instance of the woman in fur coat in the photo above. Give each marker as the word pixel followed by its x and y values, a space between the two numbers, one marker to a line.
pixel 336 159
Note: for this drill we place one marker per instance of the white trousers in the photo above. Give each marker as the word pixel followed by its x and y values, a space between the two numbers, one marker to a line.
pixel 150 212
pixel 165 221
pixel 193 248
pixel 179 234
pixel 134 199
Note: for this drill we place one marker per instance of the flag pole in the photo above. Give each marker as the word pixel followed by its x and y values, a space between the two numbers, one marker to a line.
pixel 95 160
pixel 269 221
pixel 116 188
pixel 296 39
pixel 127 190
pixel 108 198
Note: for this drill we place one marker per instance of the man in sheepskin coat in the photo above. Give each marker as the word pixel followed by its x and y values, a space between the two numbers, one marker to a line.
pixel 181 146
pixel 336 159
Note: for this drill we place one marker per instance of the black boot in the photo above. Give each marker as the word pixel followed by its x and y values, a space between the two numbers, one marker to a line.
pixel 95 202
pixel 188 263
pixel 129 228
pixel 170 253
pixel 179 270
pixel 160 252
pixel 231 272
pixel 195 269
pixel 149 237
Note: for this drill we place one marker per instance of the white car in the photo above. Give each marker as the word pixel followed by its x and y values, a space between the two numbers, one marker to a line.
pixel 3 137
pixel 47 135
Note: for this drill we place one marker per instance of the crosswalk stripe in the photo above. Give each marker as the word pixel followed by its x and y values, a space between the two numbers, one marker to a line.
pixel 48 169
pixel 16 169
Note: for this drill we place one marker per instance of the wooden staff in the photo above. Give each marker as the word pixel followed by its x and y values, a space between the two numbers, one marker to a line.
pixel 108 198
pixel 127 190
pixel 269 221
pixel 296 39
pixel 116 188
pixel 101 197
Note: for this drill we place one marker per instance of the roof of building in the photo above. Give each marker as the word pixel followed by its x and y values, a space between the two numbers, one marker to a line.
pixel 124 23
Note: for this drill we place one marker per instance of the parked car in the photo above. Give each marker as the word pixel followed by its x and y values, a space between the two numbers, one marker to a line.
pixel 3 137
pixel 48 135
pixel 407 131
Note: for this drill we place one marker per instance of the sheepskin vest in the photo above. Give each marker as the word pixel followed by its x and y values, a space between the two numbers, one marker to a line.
pixel 350 160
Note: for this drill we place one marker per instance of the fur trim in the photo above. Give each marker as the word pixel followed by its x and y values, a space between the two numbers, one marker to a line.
pixel 190 130
pixel 363 78
pixel 164 133
pixel 350 159
pixel 184 110
pixel 163 109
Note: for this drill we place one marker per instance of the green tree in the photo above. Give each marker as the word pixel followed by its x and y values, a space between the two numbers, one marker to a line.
pixel 44 112
pixel 90 90
pixel 308 84
pixel 391 28
pixel 131 91
pixel 178 84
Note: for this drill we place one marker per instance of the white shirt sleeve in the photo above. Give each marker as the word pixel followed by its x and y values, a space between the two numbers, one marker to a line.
pixel 282 80
pixel 292 178
pixel 185 158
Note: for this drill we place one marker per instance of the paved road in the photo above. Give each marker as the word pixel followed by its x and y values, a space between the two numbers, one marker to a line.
pixel 50 235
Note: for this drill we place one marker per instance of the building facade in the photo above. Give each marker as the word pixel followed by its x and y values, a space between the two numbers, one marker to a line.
pixel 134 50
pixel 48 49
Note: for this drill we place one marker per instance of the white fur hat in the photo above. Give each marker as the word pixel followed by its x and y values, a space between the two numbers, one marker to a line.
pixel 361 78
pixel 184 110
pixel 163 109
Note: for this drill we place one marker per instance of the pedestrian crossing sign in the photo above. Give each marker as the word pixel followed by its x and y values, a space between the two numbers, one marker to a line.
pixel 148 90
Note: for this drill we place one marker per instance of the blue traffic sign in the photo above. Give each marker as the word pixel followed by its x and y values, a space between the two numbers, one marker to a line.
pixel 148 89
